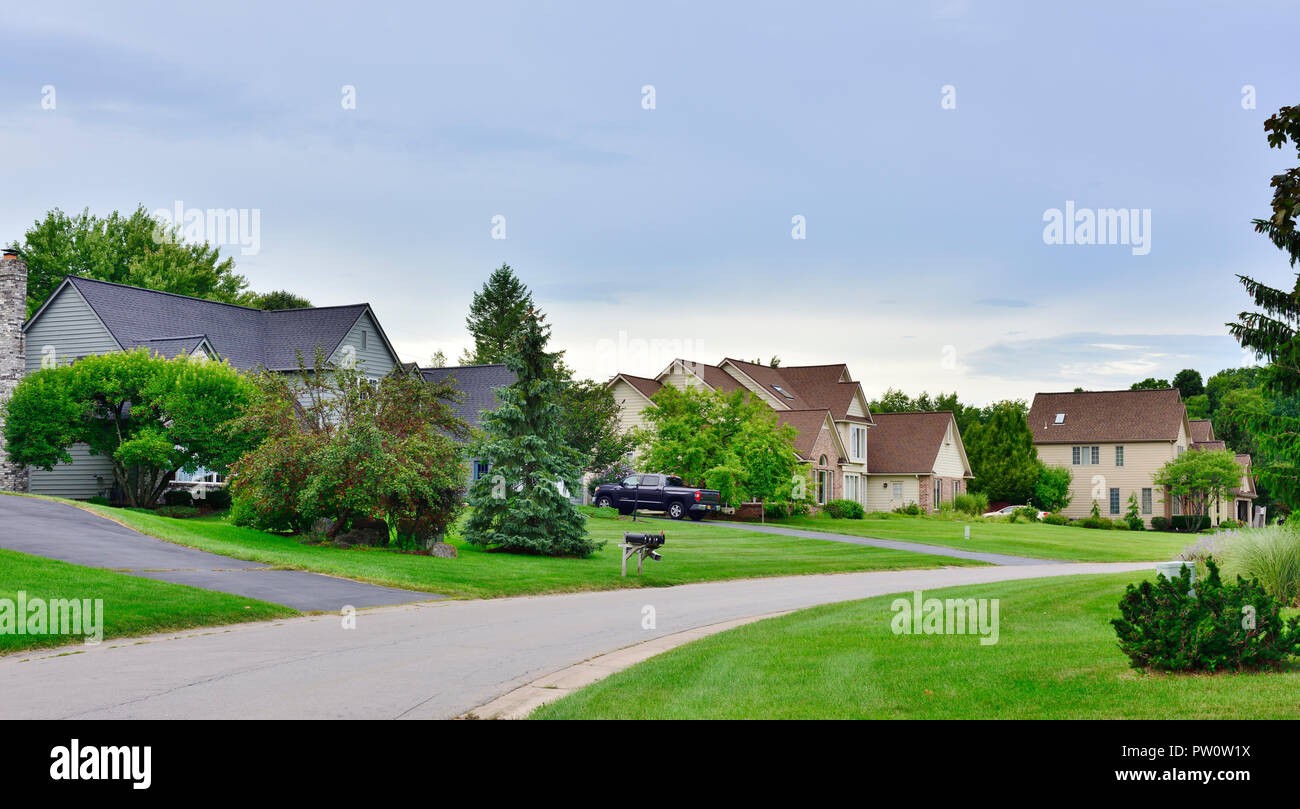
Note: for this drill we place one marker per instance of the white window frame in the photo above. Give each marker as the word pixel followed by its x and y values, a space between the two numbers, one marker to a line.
pixel 1148 499
pixel 896 490
pixel 855 433
pixel 1119 455
pixel 853 482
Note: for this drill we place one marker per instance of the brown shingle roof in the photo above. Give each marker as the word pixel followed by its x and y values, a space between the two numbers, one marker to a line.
pixel 1113 415
pixel 813 387
pixel 808 425
pixel 906 443
pixel 1202 430
pixel 1209 445
pixel 647 387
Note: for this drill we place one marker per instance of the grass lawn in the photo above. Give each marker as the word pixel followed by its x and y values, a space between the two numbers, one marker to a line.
pixel 1037 540
pixel 694 553
pixel 1056 658
pixel 132 605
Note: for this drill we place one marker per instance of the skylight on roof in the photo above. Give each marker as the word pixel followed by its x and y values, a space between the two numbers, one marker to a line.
pixel 782 391
pixel 1060 418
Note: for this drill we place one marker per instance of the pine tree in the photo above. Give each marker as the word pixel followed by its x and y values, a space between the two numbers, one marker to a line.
pixel 495 315
pixel 518 506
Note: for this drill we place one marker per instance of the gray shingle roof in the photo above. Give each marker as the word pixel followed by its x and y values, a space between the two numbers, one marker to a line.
pixel 478 385
pixel 248 338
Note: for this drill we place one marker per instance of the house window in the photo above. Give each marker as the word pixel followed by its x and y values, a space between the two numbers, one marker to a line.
pixel 1086 456
pixel 364 334
pixel 1146 501
pixel 481 469
pixel 1119 456
pixel 852 488
pixel 823 486
pixel 1060 418
pixel 857 444
pixel 898 491
pixel 938 492
pixel 1076 455
pixel 1114 501
pixel 956 489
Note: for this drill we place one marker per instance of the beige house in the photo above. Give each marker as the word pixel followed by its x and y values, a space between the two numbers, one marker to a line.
pixel 1115 442
pixel 883 462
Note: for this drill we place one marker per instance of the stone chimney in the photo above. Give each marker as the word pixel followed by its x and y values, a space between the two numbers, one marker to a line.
pixel 13 313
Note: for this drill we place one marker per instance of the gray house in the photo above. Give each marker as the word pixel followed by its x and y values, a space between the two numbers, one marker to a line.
pixel 85 317
pixel 478 385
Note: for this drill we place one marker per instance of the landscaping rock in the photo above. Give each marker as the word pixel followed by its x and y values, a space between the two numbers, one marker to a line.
pixel 442 550
pixel 323 527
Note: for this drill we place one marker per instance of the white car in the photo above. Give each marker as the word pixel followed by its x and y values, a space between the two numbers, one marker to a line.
pixel 1004 512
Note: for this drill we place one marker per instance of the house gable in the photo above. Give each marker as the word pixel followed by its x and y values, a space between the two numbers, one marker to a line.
pixel 65 328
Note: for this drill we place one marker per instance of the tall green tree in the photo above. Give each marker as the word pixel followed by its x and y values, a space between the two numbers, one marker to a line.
pixel 590 423
pixel 279 299
pixel 148 415
pixel 1273 331
pixel 523 505
pixel 495 315
pixel 1005 461
pixel 134 249
pixel 1189 383
pixel 1150 383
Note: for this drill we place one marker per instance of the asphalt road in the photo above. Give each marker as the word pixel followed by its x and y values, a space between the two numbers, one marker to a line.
pixel 429 660
pixel 59 531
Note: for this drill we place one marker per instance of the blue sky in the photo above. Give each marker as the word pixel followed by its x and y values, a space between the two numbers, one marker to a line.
pixel 649 233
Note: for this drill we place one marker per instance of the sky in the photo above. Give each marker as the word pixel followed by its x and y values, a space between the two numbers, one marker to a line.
pixel 649 166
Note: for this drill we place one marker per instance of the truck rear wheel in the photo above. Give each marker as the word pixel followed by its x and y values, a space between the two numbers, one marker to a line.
pixel 676 510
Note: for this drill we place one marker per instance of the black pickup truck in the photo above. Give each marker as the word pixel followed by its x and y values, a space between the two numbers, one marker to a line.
pixel 657 493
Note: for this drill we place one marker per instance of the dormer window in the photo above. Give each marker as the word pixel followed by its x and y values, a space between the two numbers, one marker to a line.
pixel 1060 418
pixel 782 391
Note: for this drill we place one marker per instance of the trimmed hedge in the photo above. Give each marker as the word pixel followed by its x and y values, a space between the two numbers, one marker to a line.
pixel 1185 522
pixel 845 509
pixel 1159 523
pixel 1056 519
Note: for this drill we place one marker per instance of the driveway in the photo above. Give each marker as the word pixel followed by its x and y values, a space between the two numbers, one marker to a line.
pixel 429 660
pixel 71 534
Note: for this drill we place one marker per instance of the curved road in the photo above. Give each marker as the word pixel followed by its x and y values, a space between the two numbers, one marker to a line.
pixel 420 661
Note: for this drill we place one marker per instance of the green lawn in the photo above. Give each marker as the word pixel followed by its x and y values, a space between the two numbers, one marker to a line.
pixel 132 605
pixel 1037 540
pixel 694 553
pixel 1056 658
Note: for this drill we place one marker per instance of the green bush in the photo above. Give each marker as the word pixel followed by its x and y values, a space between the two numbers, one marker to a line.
pixel 800 508
pixel 1120 525
pixel 1271 555
pixel 218 499
pixel 1184 522
pixel 845 509
pixel 972 503
pixel 776 510
pixel 99 501
pixel 1056 519
pixel 1134 524
pixel 1159 523
pixel 911 509
pixel 1230 525
pixel 1027 513
pixel 1164 625
pixel 177 497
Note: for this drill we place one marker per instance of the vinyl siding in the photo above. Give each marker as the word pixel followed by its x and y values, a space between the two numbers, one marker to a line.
pixel 880 497
pixel 1141 462
pixel 632 406
pixel 948 464
pixel 77 480
pixel 856 408
pixel 69 328
pixel 374 359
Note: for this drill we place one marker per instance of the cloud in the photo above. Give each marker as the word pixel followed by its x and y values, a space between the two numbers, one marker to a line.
pixel 1010 303
pixel 1094 360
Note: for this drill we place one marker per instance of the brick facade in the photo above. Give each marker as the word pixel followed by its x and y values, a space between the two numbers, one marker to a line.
pixel 825 447
pixel 13 313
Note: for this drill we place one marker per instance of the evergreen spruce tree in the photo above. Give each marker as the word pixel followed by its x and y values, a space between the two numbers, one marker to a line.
pixel 495 315
pixel 518 506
